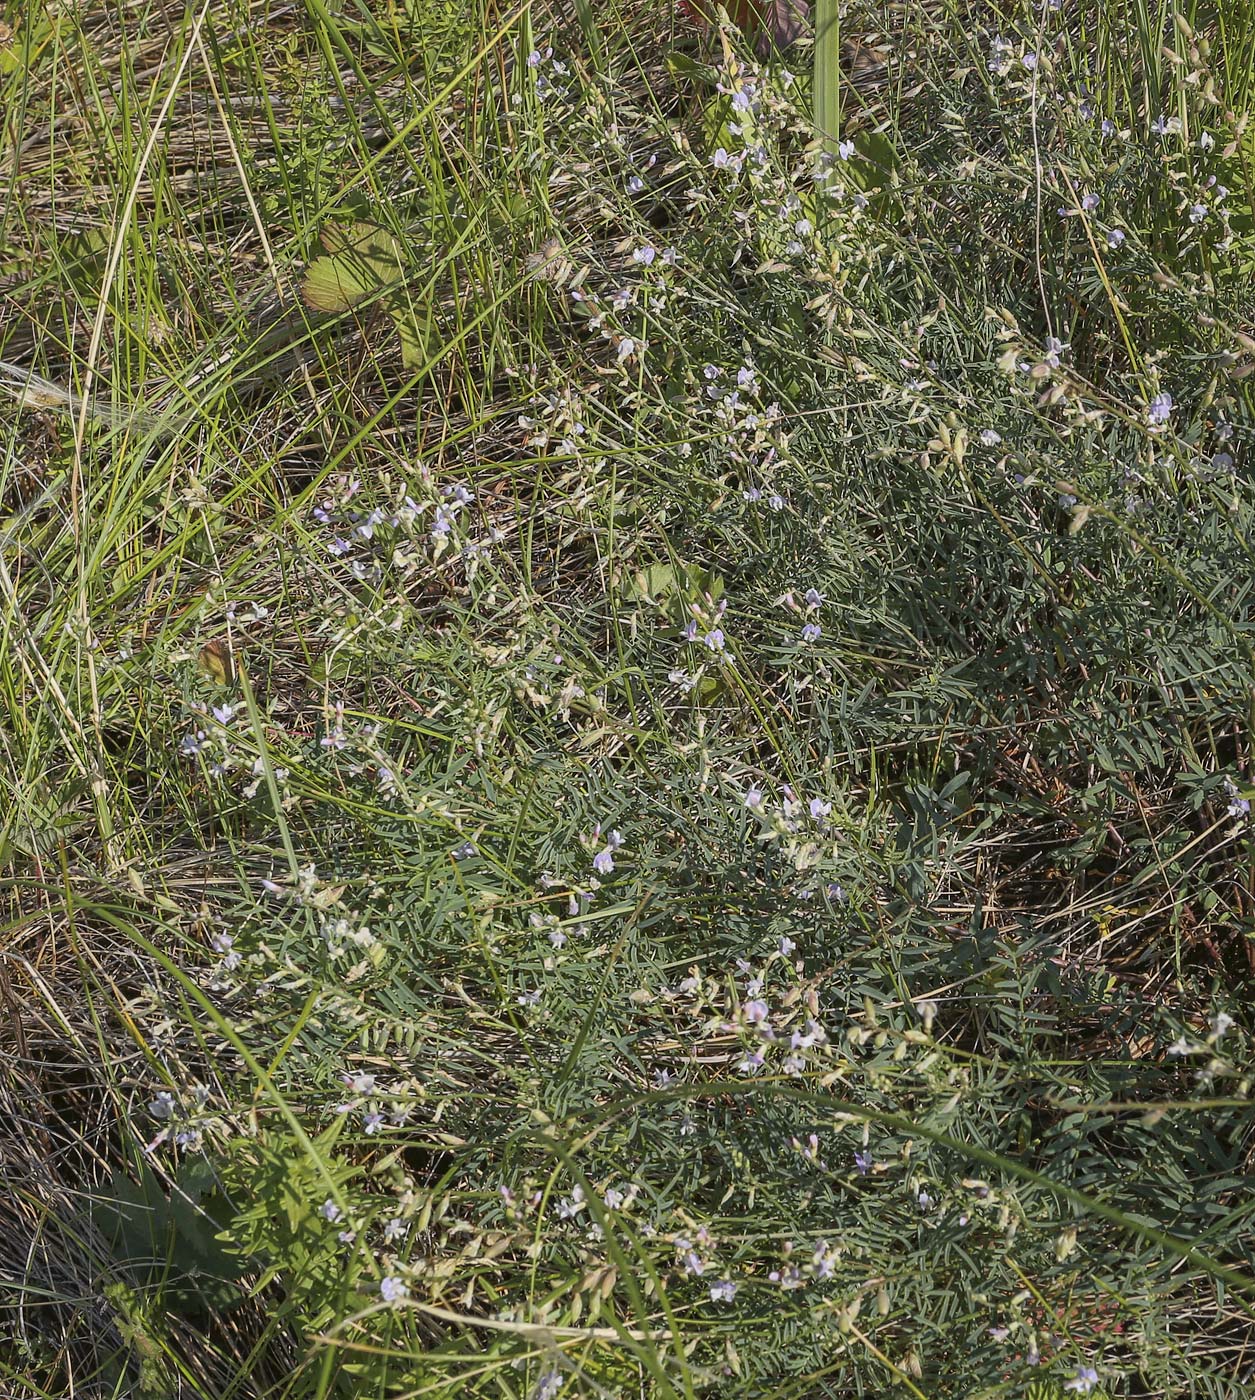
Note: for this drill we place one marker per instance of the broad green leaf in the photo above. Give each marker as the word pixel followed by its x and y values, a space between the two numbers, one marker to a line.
pixel 361 260
pixel 413 328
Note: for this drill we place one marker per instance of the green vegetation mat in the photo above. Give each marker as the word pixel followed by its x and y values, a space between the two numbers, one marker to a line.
pixel 626 695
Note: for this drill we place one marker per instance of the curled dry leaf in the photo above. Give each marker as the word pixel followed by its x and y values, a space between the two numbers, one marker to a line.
pixel 216 661
pixel 774 23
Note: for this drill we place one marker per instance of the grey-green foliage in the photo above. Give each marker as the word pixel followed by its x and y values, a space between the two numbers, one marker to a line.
pixel 1021 715
pixel 1007 936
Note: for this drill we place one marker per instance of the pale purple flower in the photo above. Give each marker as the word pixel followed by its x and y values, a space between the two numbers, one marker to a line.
pixel 845 149
pixel 635 185
pixel 1159 410
pixel 999 55
pixel 442 521
pixel 1089 201
pixel 863 1161
pixel 754 799
pixel 372 1122
pixel 990 437
pixel 1238 806
pixel 548 1386
pixel 1198 212
pixel 811 632
pixel 163 1105
pixel 1083 1382
pixel 811 1150
pixel 1115 238
pixel 721 160
pixel 714 639
pixel 813 1035
pixel 756 1012
pixel 392 1289
pixel 330 1211
pixel 813 599
pixel 723 1291
pixel 603 861
pixel 644 255
pixel 819 809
